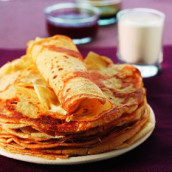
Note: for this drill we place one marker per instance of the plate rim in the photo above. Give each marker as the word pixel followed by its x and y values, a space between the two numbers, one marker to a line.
pixel 80 159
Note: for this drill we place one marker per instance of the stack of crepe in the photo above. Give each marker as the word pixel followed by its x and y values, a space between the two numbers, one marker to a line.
pixel 55 104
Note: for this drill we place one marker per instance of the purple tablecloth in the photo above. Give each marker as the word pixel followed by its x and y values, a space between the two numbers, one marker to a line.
pixel 23 20
pixel 153 155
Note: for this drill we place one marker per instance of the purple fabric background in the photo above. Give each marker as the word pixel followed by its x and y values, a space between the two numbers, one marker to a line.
pixel 23 20
pixel 153 155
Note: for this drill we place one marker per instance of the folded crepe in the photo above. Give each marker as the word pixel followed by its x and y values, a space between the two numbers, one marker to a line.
pixel 37 116
pixel 62 66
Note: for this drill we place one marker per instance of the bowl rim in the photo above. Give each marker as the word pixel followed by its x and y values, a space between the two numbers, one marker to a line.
pixel 99 3
pixel 60 20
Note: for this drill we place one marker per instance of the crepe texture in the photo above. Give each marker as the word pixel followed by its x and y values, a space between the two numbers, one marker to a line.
pixel 62 66
pixel 39 117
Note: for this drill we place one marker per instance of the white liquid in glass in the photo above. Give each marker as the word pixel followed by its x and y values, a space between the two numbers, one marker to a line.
pixel 140 37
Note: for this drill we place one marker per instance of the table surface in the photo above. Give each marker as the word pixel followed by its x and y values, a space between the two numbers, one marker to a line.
pixel 23 20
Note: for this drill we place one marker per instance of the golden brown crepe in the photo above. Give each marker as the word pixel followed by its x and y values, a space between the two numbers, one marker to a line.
pixel 39 117
pixel 62 66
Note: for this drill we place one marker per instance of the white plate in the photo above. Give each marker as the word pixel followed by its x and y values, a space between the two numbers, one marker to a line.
pixel 80 159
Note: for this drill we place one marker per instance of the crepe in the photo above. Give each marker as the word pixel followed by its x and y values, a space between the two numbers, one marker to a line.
pixel 61 65
pixel 39 117
pixel 54 148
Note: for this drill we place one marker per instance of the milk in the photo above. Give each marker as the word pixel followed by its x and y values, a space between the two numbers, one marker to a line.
pixel 140 37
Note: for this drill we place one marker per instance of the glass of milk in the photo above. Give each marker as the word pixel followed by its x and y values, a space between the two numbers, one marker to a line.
pixel 140 33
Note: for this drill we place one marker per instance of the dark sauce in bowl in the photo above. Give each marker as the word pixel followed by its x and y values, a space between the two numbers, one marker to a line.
pixel 74 30
pixel 77 23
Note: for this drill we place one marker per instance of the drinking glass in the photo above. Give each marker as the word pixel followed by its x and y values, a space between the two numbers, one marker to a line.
pixel 140 32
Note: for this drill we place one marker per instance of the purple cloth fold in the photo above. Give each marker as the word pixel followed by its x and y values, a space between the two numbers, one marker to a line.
pixel 155 154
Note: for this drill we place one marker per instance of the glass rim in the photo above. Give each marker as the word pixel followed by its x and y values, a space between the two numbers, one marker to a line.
pixel 60 6
pixel 149 10
pixel 94 2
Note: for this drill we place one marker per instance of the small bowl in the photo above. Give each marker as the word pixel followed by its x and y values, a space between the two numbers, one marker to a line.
pixel 108 9
pixel 76 21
